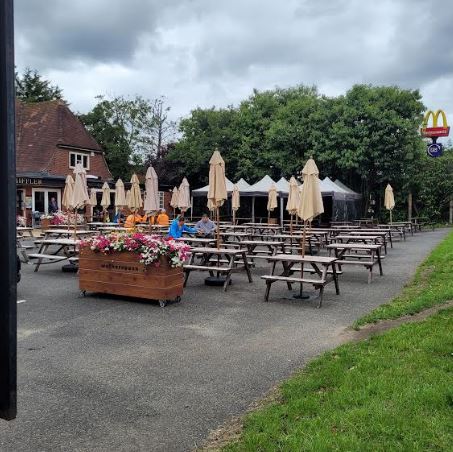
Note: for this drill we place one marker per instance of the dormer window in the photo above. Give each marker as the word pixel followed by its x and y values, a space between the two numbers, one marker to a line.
pixel 76 157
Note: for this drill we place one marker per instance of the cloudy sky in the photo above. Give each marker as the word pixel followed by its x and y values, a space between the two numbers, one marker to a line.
pixel 214 52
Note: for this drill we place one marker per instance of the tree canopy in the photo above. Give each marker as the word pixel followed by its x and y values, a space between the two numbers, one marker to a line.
pixel 367 137
pixel 32 87
pixel 130 130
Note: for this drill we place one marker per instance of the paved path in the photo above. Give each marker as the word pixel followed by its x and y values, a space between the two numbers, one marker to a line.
pixel 102 374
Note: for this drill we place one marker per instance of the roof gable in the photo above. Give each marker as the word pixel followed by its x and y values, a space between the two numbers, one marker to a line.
pixel 41 127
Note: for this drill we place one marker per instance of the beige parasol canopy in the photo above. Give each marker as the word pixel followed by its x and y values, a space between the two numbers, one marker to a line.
pixel 120 195
pixel 174 197
pixel 293 197
pixel 272 198
pixel 184 195
pixel 151 203
pixel 235 198
pixel 80 194
pixel 135 201
pixel 67 193
pixel 310 203
pixel 217 192
pixel 128 197
pixel 93 198
pixel 105 201
pixel 389 199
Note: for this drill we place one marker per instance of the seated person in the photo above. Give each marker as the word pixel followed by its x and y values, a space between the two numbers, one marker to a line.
pixel 119 217
pixel 177 227
pixel 162 218
pixel 206 227
pixel 132 220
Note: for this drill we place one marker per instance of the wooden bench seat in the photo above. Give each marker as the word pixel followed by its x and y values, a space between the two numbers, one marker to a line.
pixel 206 268
pixel 47 256
pixel 291 279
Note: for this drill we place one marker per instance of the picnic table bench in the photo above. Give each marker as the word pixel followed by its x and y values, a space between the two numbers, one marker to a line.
pixel 236 261
pixel 65 246
pixel 364 254
pixel 319 266
pixel 365 238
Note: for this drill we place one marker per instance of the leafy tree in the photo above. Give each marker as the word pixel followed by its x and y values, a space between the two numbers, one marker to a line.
pixel 131 131
pixel 32 87
pixel 433 186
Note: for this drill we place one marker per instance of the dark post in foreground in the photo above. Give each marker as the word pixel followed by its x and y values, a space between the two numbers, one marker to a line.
pixel 8 256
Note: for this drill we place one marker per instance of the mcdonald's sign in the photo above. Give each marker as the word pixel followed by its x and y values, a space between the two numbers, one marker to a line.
pixel 435 131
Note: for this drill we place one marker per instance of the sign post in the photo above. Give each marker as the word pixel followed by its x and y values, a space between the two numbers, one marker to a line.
pixel 8 256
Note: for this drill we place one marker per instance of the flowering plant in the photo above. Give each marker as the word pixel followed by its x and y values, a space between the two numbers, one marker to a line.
pixel 58 218
pixel 149 247
pixel 21 221
pixel 46 216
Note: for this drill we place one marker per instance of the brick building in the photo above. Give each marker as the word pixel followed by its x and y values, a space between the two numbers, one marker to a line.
pixel 50 140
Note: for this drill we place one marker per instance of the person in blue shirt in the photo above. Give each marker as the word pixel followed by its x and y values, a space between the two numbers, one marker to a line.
pixel 177 227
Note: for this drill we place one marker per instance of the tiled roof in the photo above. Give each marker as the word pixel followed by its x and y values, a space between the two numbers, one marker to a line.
pixel 40 128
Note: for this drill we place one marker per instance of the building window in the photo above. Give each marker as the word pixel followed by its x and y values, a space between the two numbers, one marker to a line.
pixel 161 199
pixel 75 157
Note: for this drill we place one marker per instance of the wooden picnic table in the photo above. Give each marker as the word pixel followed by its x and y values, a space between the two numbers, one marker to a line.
pixel 365 238
pixel 23 231
pixel 197 240
pixel 271 248
pixel 365 254
pixel 319 266
pixel 234 236
pixel 58 233
pixel 220 261
pixel 65 246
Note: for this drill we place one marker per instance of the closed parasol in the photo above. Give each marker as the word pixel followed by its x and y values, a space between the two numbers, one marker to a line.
pixel 135 201
pixel 389 200
pixel 120 195
pixel 293 199
pixel 271 200
pixel 67 193
pixel 184 196
pixel 235 201
pixel 151 203
pixel 217 193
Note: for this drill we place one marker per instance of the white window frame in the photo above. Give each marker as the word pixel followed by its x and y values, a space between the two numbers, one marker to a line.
pixel 79 154
pixel 46 197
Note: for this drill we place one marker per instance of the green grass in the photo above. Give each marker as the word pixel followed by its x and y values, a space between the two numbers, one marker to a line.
pixel 431 285
pixel 393 392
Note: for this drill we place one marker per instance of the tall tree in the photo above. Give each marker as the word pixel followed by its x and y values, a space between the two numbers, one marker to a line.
pixel 130 130
pixel 163 129
pixel 32 87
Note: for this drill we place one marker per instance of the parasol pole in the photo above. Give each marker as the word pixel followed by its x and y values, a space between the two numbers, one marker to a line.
pixel 302 264
pixel 218 227
pixel 390 216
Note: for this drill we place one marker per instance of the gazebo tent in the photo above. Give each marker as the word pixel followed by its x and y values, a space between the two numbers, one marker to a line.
pixel 345 202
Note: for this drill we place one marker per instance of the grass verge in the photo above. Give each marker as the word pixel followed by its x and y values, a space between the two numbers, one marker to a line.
pixel 431 285
pixel 391 392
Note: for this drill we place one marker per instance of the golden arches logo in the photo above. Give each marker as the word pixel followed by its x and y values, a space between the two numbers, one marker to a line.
pixel 435 130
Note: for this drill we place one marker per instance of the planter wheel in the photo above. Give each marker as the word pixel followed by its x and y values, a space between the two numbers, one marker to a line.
pixel 177 299
pixel 163 303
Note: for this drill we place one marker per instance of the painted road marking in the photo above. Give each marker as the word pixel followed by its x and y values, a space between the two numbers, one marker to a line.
pixel 21 301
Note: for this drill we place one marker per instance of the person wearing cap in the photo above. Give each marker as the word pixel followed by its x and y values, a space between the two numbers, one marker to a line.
pixel 177 228
pixel 206 227
pixel 162 219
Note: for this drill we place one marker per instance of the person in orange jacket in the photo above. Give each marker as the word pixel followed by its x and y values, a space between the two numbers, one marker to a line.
pixel 133 219
pixel 163 219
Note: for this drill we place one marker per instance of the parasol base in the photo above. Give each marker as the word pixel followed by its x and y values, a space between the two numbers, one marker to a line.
pixel 302 296
pixel 215 281
pixel 70 268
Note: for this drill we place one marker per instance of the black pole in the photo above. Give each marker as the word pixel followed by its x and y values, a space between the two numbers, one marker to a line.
pixel 8 256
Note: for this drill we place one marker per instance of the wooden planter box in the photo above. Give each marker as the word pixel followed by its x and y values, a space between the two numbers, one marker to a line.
pixel 45 223
pixel 121 273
